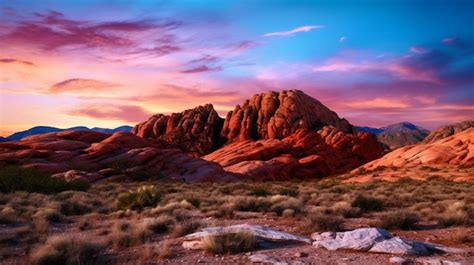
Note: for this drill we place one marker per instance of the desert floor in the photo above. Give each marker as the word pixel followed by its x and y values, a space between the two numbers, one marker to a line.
pixel 143 222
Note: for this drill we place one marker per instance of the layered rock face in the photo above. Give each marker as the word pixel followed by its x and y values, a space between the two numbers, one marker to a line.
pixel 457 149
pixel 449 130
pixel 274 115
pixel 304 154
pixel 93 156
pixel 195 130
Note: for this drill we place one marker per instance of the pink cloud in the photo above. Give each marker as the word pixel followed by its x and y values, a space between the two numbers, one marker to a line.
pixel 79 84
pixel 127 113
pixel 11 60
pixel 201 69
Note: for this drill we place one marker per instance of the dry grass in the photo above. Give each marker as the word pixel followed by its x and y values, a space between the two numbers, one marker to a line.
pixel 399 219
pixel 325 222
pixel 229 243
pixel 67 250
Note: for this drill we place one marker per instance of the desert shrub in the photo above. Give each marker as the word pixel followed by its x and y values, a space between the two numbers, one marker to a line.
pixel 67 250
pixel 72 207
pixel 125 235
pixel 399 219
pixel 457 213
pixel 51 215
pixel 259 191
pixel 229 243
pixel 367 204
pixel 145 196
pixel 184 228
pixel 289 192
pixel 8 215
pixel 325 222
pixel 225 210
pixel 15 178
pixel 345 209
pixel 161 224
pixel 170 207
pixel 250 204
pixel 281 203
pixel 165 251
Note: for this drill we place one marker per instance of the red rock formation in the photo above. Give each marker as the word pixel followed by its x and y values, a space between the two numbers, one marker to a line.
pixel 195 130
pixel 457 149
pixel 93 156
pixel 275 115
pixel 304 154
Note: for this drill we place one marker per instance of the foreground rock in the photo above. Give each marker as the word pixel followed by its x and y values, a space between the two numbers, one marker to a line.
pixel 457 149
pixel 93 156
pixel 304 154
pixel 193 241
pixel 376 240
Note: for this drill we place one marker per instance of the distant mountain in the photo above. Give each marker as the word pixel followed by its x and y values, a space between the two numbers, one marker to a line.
pixel 397 135
pixel 47 129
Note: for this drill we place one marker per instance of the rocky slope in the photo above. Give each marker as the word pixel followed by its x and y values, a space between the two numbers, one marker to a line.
pixel 449 130
pixel 196 130
pixel 94 156
pixel 304 154
pixel 397 135
pixel 457 149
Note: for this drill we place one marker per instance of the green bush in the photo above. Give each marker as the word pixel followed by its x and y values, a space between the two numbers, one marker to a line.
pixel 146 196
pixel 367 204
pixel 15 178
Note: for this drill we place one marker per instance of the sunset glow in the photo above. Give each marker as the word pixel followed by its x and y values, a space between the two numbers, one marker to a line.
pixel 109 63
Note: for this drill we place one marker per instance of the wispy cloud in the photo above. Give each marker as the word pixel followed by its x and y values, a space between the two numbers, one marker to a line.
pixel 201 69
pixel 293 31
pixel 127 113
pixel 343 39
pixel 11 60
pixel 81 85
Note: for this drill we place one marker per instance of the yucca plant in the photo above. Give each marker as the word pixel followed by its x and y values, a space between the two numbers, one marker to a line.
pixel 145 196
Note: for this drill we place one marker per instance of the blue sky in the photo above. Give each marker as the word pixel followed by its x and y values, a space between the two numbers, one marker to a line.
pixel 373 62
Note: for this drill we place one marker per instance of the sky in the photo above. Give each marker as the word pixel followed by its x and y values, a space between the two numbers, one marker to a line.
pixel 109 63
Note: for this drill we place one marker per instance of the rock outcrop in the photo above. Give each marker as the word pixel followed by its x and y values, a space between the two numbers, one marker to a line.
pixel 447 131
pixel 376 240
pixel 262 233
pixel 195 130
pixel 457 149
pixel 304 154
pixel 274 115
pixel 270 115
pixel 93 156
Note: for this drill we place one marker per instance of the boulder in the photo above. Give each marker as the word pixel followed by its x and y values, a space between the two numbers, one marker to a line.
pixel 377 240
pixel 262 233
